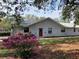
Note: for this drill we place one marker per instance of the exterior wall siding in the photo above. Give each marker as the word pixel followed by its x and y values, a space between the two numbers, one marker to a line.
pixel 70 31
pixel 56 29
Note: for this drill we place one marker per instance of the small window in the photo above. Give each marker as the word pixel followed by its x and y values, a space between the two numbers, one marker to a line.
pixel 63 30
pixel 26 29
pixel 49 30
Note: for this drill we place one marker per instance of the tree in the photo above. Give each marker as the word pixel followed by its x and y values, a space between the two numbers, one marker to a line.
pixel 5 24
pixel 71 11
pixel 70 8
pixel 15 8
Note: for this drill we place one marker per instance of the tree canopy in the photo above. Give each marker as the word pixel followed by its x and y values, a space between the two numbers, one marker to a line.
pixel 15 7
pixel 71 10
pixel 5 24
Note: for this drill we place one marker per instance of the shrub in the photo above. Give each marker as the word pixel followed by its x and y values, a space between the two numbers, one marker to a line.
pixel 22 43
pixel 5 34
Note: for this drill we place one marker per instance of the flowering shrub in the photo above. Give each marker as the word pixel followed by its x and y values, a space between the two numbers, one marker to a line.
pixel 22 43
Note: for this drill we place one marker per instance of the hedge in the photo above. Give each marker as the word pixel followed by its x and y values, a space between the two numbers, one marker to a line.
pixel 5 34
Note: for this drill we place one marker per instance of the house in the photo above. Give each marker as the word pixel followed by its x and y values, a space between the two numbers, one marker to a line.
pixel 49 27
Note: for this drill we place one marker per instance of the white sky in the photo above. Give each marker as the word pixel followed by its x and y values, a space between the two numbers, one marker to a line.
pixel 41 13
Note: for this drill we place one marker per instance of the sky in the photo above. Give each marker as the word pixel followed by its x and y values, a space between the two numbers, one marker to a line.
pixel 41 13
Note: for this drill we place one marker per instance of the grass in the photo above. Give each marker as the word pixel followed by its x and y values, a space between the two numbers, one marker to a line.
pixel 46 42
pixel 4 52
pixel 59 41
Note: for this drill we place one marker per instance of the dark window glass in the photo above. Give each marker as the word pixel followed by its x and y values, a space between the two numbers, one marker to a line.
pixel 26 29
pixel 63 30
pixel 50 30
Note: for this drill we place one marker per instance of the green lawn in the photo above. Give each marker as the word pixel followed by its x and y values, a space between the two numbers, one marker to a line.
pixel 45 42
pixel 4 52
pixel 59 41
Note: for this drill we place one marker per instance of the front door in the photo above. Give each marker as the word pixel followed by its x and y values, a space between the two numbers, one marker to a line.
pixel 40 31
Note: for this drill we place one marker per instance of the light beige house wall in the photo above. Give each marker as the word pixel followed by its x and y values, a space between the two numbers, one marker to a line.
pixel 56 28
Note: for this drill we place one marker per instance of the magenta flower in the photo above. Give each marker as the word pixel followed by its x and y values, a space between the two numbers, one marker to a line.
pixel 20 40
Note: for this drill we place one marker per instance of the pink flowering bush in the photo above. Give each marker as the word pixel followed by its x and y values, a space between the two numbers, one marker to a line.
pixel 22 43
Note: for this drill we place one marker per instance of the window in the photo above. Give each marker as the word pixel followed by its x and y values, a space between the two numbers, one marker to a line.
pixel 49 30
pixel 26 29
pixel 63 30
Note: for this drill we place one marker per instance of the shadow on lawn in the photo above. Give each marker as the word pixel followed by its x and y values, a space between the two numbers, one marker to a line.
pixel 46 53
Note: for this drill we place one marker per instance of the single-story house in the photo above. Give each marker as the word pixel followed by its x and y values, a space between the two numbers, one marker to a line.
pixel 49 27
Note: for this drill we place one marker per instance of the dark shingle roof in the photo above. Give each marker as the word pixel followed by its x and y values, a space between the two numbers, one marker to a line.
pixel 30 22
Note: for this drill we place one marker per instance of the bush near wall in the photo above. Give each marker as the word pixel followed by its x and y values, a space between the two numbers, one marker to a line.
pixel 5 34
